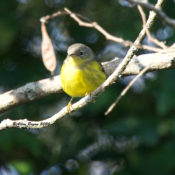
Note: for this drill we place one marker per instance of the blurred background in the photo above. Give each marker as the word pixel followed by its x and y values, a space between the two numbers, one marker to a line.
pixel 137 137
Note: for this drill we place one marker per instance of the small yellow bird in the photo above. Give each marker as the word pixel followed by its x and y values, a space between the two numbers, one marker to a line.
pixel 81 73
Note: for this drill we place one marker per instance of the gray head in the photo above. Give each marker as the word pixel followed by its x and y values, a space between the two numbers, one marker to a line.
pixel 81 51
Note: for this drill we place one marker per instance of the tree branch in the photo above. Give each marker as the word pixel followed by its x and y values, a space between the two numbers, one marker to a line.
pixel 84 101
pixel 106 34
pixel 85 22
pixel 29 92
pixel 125 90
pixel 34 90
pixel 159 12
pixel 150 38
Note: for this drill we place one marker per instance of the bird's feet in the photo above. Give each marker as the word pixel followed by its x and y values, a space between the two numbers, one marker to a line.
pixel 69 106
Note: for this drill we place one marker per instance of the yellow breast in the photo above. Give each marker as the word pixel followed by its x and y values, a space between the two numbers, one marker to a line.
pixel 80 77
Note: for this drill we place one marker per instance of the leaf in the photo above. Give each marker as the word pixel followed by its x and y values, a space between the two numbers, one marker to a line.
pixel 47 50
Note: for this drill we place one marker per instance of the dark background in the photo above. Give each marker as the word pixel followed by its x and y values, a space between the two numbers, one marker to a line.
pixel 138 137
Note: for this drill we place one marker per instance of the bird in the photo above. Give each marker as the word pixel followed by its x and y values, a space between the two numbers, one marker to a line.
pixel 80 73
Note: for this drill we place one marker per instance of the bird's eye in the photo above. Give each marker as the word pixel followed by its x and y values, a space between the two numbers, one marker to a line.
pixel 81 53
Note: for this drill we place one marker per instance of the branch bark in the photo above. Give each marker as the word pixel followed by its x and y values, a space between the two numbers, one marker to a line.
pixel 29 92
pixel 34 90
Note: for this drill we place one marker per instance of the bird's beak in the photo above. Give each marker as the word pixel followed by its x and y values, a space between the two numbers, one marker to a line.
pixel 71 55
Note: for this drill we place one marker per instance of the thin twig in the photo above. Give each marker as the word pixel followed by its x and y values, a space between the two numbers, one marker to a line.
pixel 95 25
pixel 45 19
pixel 158 11
pixel 125 90
pixel 150 38
pixel 106 34
pixel 143 31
